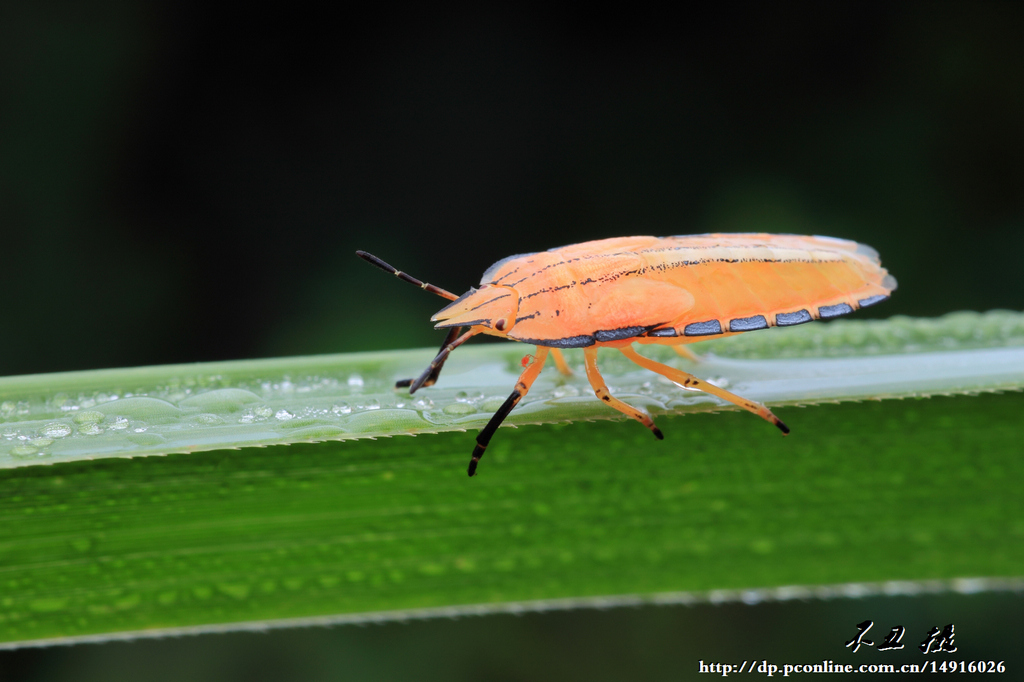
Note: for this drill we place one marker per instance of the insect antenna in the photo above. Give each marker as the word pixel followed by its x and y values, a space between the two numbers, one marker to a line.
pixel 373 260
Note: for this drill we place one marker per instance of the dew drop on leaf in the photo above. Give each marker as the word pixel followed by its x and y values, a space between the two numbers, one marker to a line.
pixel 56 430
pixel 457 409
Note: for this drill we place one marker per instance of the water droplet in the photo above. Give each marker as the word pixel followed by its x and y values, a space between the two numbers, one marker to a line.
pixel 235 590
pixel 7 409
pixel 56 430
pixel 23 450
pixel 256 414
pixel 284 415
pixel 167 598
pixel 120 423
pixel 220 401
pixel 48 604
pixel 81 544
pixel 355 381
pixel 458 409
pixel 88 417
pixel 341 408
pixel 91 429
pixel 566 391
pixel 423 403
pixel 370 405
pixel 493 403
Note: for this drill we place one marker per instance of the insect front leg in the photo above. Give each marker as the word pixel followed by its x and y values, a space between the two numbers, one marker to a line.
pixel 526 380
pixel 597 381
pixel 435 365
pixel 432 379
pixel 688 380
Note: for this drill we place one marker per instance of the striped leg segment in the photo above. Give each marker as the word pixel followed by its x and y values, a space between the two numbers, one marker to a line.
pixel 432 379
pixel 688 380
pixel 597 381
pixel 560 363
pixel 685 352
pixel 438 362
pixel 526 380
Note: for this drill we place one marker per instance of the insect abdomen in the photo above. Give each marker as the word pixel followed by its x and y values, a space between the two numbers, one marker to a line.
pixel 739 288
pixel 703 285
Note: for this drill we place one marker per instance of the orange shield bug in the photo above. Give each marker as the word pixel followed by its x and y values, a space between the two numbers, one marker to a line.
pixel 665 290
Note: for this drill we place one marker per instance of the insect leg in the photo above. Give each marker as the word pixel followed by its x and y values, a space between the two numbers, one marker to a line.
pixel 560 363
pixel 688 380
pixel 685 352
pixel 436 363
pixel 597 381
pixel 526 380
pixel 432 379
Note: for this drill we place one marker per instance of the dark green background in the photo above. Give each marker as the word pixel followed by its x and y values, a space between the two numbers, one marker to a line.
pixel 186 182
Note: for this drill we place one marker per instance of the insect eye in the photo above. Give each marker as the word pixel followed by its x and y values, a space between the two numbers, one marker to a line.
pixel 500 325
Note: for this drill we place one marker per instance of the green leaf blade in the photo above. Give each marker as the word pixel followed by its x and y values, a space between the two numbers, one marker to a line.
pixel 908 490
pixel 190 408
pixel 861 492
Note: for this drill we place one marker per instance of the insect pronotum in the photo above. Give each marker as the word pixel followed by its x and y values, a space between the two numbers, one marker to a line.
pixel 665 290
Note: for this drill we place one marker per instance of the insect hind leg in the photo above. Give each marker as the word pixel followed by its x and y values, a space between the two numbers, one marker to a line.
pixel 689 381
pixel 526 380
pixel 560 363
pixel 601 390
pixel 684 352
pixel 453 333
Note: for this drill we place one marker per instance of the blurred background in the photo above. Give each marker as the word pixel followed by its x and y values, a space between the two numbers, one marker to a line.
pixel 185 182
